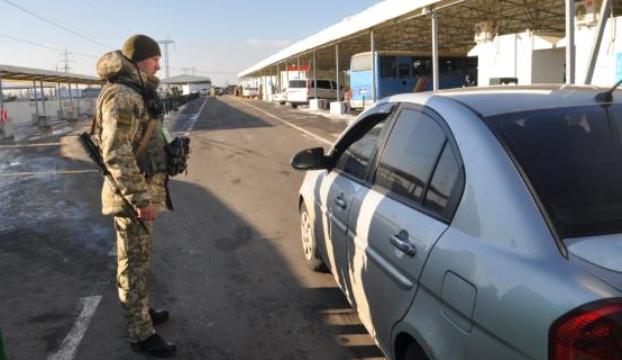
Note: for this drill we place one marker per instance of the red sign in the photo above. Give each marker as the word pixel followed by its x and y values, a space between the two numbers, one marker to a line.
pixel 302 67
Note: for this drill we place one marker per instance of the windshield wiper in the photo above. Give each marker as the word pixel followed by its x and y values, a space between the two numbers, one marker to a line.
pixel 607 96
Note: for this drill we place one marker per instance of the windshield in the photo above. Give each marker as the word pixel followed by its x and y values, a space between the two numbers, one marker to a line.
pixel 573 159
pixel 297 83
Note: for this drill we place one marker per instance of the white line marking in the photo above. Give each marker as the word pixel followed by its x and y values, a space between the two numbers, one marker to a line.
pixel 196 116
pixel 61 172
pixel 29 145
pixel 316 137
pixel 69 346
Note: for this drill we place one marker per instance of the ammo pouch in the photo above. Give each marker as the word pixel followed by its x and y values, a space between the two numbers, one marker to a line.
pixel 177 155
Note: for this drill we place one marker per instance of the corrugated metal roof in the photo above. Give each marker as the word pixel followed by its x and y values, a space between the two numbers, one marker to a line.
pixel 186 79
pixel 10 72
pixel 373 16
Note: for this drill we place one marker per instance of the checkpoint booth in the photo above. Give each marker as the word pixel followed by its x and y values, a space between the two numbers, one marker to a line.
pixel 39 96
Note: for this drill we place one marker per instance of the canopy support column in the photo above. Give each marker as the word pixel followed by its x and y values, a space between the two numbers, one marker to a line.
pixel 372 47
pixel 42 98
pixel 34 89
pixel 598 37
pixel 60 102
pixel 570 50
pixel 78 103
pixel 337 71
pixel 71 99
pixel 434 51
pixel 314 77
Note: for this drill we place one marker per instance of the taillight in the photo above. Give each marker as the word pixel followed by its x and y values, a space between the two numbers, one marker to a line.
pixel 591 332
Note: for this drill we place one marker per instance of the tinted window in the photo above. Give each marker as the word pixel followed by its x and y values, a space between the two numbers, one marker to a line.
pixel 403 71
pixel 323 84
pixel 355 159
pixel 443 182
pixel 297 83
pixel 388 66
pixel 573 158
pixel 422 66
pixel 410 155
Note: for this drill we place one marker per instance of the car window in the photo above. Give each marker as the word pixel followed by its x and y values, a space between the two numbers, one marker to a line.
pixel 573 159
pixel 444 181
pixel 388 66
pixel 323 84
pixel 404 71
pixel 355 159
pixel 409 157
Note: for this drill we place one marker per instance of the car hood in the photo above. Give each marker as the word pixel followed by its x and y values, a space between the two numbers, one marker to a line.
pixel 600 255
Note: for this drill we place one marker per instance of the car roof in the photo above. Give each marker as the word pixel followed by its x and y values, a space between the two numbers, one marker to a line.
pixel 495 100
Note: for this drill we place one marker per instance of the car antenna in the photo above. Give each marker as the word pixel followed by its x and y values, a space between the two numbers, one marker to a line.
pixel 607 96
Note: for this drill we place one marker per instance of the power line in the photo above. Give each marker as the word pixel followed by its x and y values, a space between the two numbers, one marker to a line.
pixel 57 25
pixel 32 43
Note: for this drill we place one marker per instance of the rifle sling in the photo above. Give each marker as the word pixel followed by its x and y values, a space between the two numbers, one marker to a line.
pixel 144 142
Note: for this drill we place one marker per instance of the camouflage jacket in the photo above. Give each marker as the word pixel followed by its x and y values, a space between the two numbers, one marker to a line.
pixel 122 120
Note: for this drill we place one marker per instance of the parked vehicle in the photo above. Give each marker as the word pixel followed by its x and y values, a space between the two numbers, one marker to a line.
pixel 280 97
pixel 404 72
pixel 300 91
pixel 250 92
pixel 475 223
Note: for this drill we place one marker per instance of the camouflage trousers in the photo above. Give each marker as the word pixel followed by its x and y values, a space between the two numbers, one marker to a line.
pixel 133 259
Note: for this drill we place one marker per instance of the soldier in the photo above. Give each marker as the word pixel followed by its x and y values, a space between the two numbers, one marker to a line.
pixel 129 124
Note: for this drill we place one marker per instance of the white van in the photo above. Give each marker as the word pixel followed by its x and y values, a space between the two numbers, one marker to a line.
pixel 300 91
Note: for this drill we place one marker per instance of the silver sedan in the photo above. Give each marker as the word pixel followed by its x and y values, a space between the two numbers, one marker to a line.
pixel 476 223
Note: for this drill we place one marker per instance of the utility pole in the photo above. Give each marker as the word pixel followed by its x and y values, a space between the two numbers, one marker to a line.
pixel 65 61
pixel 166 43
pixel 187 70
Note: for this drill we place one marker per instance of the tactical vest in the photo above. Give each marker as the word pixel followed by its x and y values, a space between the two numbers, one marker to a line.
pixel 148 145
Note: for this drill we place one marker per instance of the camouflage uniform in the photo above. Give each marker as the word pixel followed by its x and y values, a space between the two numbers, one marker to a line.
pixel 122 121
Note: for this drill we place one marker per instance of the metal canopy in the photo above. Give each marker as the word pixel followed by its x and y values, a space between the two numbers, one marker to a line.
pixel 409 29
pixel 17 73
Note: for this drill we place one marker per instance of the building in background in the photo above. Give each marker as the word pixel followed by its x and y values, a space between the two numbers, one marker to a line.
pixel 189 84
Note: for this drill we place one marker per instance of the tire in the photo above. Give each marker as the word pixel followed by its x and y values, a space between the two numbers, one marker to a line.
pixel 309 245
pixel 294 105
pixel 414 352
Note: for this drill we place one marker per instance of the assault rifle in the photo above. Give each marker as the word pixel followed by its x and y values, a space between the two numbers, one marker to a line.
pixel 93 151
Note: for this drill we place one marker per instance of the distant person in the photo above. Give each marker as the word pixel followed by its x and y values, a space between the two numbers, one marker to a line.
pixel 212 93
pixel 347 98
pixel 129 126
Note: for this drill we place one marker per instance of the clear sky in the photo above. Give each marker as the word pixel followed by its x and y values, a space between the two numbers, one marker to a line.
pixel 218 38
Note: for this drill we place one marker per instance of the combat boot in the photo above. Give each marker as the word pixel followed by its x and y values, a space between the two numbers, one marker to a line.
pixel 154 345
pixel 158 316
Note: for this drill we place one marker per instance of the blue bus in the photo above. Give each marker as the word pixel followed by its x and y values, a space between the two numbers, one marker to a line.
pixel 406 72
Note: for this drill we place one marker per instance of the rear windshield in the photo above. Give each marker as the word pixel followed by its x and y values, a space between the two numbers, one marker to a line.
pixel 573 159
pixel 297 84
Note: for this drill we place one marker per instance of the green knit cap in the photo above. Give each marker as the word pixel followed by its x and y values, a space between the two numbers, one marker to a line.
pixel 140 47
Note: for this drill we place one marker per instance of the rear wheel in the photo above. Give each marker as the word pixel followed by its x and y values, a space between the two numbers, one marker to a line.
pixel 414 352
pixel 309 245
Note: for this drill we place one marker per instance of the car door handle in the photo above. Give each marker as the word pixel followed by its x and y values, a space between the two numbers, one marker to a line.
pixel 403 245
pixel 340 202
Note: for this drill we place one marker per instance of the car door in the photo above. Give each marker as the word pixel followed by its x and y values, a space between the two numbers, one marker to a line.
pixel 353 157
pixel 416 184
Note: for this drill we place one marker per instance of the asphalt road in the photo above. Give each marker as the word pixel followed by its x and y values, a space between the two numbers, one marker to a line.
pixel 227 262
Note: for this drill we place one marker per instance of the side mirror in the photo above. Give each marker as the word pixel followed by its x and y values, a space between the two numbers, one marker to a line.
pixel 310 159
